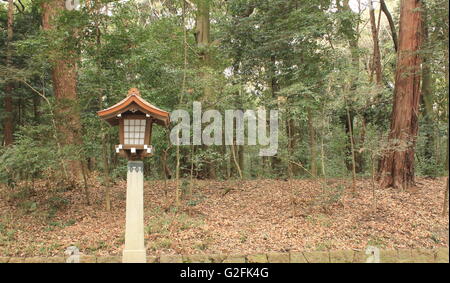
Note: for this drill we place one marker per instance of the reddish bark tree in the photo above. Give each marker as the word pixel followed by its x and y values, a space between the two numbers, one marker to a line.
pixel 397 166
pixel 64 77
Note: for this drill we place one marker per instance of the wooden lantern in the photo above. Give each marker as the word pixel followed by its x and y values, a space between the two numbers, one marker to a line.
pixel 135 118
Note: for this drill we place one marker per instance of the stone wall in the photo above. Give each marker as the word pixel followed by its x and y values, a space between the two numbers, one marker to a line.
pixel 439 255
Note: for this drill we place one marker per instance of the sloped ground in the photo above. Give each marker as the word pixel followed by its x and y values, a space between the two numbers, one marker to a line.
pixel 236 217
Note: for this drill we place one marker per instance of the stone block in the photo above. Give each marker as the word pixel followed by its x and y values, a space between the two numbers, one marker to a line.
pixel 234 259
pixel 197 258
pixel 388 256
pixel 109 259
pixel 16 260
pixel 422 255
pixel 257 258
pixel 405 256
pixel 317 257
pixel 171 259
pixel 55 259
pixel 297 257
pixel 35 260
pixel 341 256
pixel 88 259
pixel 359 256
pixel 217 258
pixel 278 257
pixel 441 255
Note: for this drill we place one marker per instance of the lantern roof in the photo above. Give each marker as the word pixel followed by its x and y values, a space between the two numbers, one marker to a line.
pixel 134 103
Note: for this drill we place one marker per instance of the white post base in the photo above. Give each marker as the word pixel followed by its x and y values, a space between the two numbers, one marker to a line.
pixel 137 256
pixel 134 250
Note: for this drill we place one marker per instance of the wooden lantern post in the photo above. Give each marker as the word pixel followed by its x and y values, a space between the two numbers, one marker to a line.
pixel 135 118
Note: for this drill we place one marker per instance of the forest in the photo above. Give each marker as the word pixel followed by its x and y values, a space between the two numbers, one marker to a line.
pixel 361 88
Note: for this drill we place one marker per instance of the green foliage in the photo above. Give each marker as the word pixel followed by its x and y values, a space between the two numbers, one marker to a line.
pixel 260 50
pixel 33 155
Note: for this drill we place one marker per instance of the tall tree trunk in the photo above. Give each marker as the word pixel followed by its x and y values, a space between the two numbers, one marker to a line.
pixel 202 34
pixel 236 163
pixel 203 39
pixel 447 88
pixel 274 88
pixel 391 24
pixel 8 101
pixel 241 155
pixel 352 147
pixel 376 47
pixel 397 167
pixel 426 91
pixel 349 129
pixel 36 112
pixel 64 77
pixel 447 81
pixel 290 133
pixel 353 38
pixel 312 144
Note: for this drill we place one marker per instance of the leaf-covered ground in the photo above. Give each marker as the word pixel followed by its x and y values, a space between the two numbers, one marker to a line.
pixel 226 217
